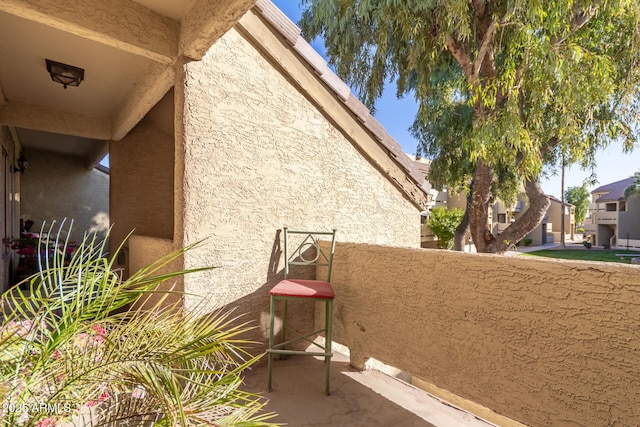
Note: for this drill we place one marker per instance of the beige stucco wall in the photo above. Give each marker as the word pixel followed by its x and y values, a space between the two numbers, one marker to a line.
pixel 142 184
pixel 260 156
pixel 58 186
pixel 629 221
pixel 544 342
pixel 145 251
pixel 555 218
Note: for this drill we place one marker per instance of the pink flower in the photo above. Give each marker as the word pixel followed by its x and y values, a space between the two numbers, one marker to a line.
pixel 47 422
pixel 56 355
pixel 139 392
pixel 100 333
pixel 27 251
pixel 91 403
pixel 24 329
pixel 81 340
pixel 104 396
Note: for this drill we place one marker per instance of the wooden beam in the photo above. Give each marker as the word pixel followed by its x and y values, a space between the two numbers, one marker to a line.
pixel 207 21
pixel 155 83
pixel 46 119
pixel 122 24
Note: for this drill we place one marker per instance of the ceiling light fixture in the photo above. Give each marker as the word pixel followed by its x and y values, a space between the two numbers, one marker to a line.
pixel 23 164
pixel 66 75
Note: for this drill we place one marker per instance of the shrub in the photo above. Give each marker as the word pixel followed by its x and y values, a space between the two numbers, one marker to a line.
pixel 443 222
pixel 527 241
pixel 74 346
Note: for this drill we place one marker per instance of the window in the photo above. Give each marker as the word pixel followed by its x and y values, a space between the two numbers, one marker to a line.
pixel 502 218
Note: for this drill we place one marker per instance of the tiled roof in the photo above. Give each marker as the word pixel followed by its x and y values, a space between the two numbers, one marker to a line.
pixel 422 164
pixel 615 190
pixel 555 199
pixel 292 33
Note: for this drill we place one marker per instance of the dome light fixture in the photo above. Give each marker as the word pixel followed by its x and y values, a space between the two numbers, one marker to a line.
pixel 66 75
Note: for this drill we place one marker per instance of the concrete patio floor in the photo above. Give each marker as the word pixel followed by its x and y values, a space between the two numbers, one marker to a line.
pixel 358 398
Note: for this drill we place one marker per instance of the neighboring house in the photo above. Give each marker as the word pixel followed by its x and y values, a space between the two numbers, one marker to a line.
pixel 223 124
pixel 501 216
pixel 549 229
pixel 615 220
pixel 427 237
pixel 555 218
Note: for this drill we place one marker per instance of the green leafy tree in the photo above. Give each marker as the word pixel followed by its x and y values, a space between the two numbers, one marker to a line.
pixel 76 347
pixel 519 84
pixel 579 197
pixel 634 188
pixel 443 222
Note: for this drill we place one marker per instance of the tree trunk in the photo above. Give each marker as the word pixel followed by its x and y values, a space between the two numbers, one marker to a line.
pixel 479 215
pixel 479 211
pixel 562 230
pixel 530 219
pixel 460 234
pixel 462 229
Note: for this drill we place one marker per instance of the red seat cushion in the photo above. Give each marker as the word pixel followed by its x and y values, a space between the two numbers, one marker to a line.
pixel 303 289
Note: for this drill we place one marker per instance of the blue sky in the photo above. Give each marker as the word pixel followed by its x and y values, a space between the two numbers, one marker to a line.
pixel 396 115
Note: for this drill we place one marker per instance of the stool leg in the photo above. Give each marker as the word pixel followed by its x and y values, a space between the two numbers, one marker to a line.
pixel 328 323
pixel 271 340
pixel 284 321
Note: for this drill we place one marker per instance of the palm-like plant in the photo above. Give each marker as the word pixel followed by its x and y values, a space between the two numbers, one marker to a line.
pixel 73 351
pixel 634 188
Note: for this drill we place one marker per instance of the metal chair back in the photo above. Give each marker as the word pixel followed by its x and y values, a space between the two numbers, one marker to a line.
pixel 307 250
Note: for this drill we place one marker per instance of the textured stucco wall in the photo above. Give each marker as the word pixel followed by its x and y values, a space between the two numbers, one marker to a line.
pixel 260 156
pixel 555 217
pixel 142 184
pixel 629 221
pixel 58 186
pixel 145 251
pixel 544 342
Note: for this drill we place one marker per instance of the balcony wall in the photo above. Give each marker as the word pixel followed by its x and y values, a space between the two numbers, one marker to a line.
pixel 501 226
pixel 543 342
pixel 144 251
pixel 607 217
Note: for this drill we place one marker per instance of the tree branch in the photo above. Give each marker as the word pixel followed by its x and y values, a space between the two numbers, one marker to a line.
pixel 580 19
pixel 479 7
pixel 463 57
pixel 538 205
pixel 484 47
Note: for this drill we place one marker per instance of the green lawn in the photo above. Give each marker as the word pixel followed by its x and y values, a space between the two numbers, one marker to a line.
pixel 585 255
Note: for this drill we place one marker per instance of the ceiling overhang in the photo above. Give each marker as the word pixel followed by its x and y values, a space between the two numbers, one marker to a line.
pixel 128 49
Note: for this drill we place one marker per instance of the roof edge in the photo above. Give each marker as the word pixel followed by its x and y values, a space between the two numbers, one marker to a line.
pixel 341 91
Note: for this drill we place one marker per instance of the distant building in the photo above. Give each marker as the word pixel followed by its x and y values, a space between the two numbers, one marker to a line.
pixel 615 220
pixel 501 215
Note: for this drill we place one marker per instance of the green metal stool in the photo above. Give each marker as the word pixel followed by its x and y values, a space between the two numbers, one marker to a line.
pixel 307 253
